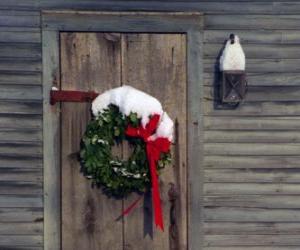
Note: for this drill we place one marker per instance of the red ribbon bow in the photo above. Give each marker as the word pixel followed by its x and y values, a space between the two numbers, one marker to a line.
pixel 153 148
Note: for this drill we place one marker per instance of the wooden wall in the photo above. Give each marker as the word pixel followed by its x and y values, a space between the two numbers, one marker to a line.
pixel 251 164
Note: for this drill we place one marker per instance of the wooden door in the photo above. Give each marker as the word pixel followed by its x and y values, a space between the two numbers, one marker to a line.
pixel 155 63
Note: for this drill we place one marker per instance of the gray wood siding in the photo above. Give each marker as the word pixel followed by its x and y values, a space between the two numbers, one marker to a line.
pixel 251 163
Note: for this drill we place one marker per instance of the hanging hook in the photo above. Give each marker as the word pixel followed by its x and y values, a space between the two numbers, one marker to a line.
pixel 231 37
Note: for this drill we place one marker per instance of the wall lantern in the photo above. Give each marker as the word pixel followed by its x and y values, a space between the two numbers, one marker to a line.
pixel 232 66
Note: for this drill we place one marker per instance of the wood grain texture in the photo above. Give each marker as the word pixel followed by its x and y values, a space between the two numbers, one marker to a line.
pixel 250 215
pixel 14 77
pixel 51 147
pixel 20 228
pixel 257 51
pixel 253 248
pixel 252 22
pixel 263 94
pixel 258 175
pixel 254 37
pixel 195 139
pixel 251 188
pixel 251 123
pixel 90 61
pixel 21 214
pixel 265 228
pixel 156 64
pixel 259 108
pixel 251 136
pixel 122 21
pixel 261 79
pixel 255 65
pixel 266 162
pixel 251 240
pixel 21 240
pixel 270 42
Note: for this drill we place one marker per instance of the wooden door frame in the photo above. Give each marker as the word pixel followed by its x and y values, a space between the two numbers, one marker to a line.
pixel 54 22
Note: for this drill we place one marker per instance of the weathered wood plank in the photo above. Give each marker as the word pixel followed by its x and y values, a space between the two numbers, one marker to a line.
pixel 20 36
pixel 261 79
pixel 254 36
pixel 20 5
pixel 257 51
pixel 251 162
pixel 21 228
pixel 21 240
pixel 228 7
pixel 253 109
pixel 19 77
pixel 21 121
pixel 235 149
pixel 252 248
pixel 106 21
pixel 267 228
pixel 21 19
pixel 15 201
pixel 20 136
pixel 256 94
pixel 94 63
pixel 251 240
pixel 21 107
pixel 20 64
pixel 20 149
pixel 14 12
pixel 195 137
pixel 166 5
pixel 252 22
pixel 155 63
pixel 252 175
pixel 251 188
pixel 51 136
pixel 253 201
pixel 20 50
pixel 234 214
pixel 251 123
pixel 20 92
pixel 21 187
pixel 20 162
pixel 251 136
pixel 21 214
pixel 21 174
pixel 255 65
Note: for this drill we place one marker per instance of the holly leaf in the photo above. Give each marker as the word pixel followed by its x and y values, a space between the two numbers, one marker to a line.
pixel 133 117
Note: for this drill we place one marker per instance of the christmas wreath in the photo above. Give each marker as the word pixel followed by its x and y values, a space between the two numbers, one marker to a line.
pixel 120 114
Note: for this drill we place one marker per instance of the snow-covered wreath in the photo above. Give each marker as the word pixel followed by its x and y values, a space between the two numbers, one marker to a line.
pixel 126 113
pixel 120 114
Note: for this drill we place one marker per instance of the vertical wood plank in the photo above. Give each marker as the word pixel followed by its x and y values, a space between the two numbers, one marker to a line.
pixel 195 139
pixel 90 61
pixel 51 148
pixel 156 64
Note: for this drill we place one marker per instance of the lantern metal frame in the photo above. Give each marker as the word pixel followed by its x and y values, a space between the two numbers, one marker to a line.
pixel 233 86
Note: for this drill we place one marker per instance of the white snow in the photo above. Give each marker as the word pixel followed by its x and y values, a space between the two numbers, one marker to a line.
pixel 129 99
pixel 165 127
pixel 233 57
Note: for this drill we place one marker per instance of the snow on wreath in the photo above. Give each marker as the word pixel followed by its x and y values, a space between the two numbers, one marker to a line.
pixel 126 113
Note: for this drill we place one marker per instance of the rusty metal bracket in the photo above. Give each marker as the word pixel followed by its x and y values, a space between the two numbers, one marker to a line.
pixel 71 96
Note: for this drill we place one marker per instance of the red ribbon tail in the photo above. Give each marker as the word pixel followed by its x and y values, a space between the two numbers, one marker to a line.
pixel 158 218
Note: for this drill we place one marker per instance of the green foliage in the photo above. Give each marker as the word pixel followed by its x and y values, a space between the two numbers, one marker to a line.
pixel 117 177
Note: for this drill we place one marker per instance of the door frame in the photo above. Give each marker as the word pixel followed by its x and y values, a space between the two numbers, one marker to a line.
pixel 54 22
